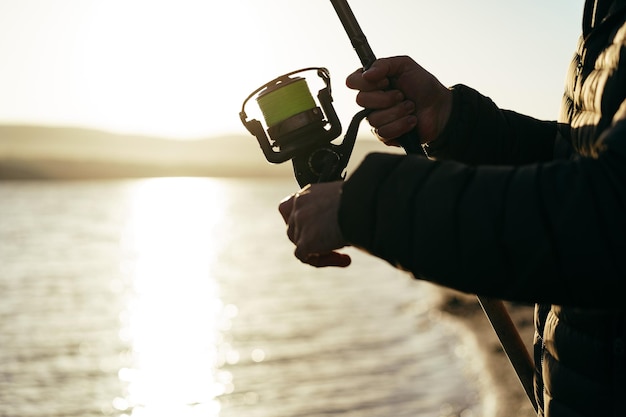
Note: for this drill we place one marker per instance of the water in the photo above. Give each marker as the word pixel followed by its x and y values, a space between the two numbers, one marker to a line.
pixel 181 297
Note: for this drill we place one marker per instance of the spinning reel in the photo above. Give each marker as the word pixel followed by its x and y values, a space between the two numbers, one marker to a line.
pixel 298 128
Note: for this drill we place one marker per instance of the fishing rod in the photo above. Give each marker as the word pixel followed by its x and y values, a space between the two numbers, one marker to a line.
pixel 409 141
pixel 297 127
pixel 494 309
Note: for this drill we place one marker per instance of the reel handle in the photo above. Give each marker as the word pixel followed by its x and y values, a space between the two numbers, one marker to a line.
pixel 409 141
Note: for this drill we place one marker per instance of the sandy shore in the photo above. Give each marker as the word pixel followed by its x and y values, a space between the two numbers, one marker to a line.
pixel 500 389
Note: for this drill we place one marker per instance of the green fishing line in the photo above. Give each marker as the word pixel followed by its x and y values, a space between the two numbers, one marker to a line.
pixel 280 102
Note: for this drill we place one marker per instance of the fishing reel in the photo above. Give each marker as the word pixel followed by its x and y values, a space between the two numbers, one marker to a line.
pixel 298 128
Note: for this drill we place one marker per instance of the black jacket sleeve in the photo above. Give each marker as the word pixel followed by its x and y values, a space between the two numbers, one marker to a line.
pixel 550 232
pixel 478 132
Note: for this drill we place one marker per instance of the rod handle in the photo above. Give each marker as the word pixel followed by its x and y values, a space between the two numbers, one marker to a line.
pixel 409 141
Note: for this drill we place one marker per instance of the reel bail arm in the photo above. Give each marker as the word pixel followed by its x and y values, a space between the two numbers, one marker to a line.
pixel 299 130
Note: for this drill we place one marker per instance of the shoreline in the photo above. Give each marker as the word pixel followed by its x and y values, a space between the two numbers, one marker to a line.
pixel 501 392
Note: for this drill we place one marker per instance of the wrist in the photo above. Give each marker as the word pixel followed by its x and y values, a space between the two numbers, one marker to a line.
pixel 445 110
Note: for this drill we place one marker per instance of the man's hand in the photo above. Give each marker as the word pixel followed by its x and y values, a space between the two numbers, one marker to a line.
pixel 403 97
pixel 312 222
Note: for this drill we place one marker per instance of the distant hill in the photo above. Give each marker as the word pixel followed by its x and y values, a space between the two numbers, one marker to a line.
pixel 40 152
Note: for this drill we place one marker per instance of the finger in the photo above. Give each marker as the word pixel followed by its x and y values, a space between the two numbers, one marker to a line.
pixel 289 211
pixel 389 115
pixel 388 67
pixel 321 260
pixel 386 141
pixel 379 99
pixel 355 81
pixel 291 230
pixel 391 131
pixel 286 207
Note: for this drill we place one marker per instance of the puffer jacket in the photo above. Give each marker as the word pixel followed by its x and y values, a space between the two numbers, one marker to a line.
pixel 524 210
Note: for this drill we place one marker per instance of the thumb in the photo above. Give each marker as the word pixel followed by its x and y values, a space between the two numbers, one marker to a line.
pixel 388 67
pixel 377 73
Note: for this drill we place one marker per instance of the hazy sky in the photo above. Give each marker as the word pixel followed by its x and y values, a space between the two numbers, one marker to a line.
pixel 183 67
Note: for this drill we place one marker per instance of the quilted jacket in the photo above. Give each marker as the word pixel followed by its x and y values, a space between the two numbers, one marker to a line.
pixel 516 208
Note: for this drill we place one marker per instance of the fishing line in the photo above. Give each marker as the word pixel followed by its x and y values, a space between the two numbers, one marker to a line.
pixel 284 100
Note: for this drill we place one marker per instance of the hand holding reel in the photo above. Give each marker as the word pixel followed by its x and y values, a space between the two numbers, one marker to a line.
pixel 298 129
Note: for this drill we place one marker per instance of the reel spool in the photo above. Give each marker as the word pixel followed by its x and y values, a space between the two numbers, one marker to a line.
pixel 297 128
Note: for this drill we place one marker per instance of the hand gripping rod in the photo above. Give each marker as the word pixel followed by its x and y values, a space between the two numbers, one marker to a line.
pixel 495 310
pixel 409 141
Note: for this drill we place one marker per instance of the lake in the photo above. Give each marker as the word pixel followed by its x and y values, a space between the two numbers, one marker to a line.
pixel 181 297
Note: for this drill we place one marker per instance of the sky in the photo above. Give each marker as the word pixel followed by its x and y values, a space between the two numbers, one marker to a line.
pixel 182 68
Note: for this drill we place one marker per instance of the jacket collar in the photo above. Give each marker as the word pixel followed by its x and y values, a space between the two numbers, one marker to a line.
pixel 598 12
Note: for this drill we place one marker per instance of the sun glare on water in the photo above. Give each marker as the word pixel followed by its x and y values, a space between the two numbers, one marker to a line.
pixel 174 313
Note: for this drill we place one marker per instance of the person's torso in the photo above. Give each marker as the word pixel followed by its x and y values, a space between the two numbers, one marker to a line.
pixel 579 353
pixel 596 79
